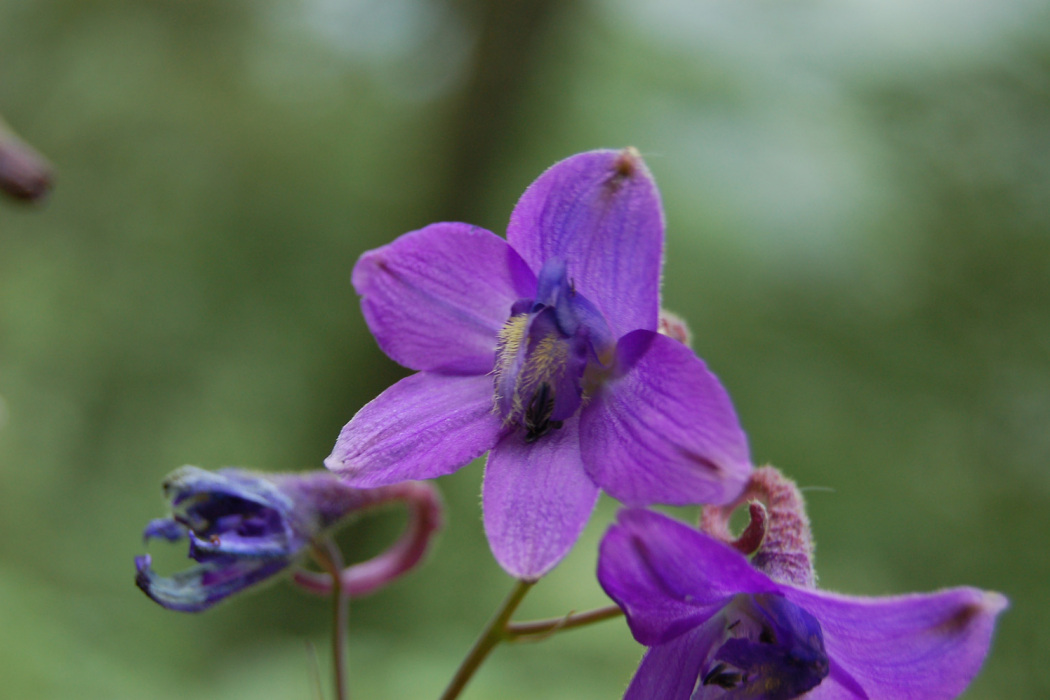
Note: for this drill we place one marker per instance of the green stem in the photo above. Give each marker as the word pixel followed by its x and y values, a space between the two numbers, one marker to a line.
pixel 331 560
pixel 494 633
pixel 538 630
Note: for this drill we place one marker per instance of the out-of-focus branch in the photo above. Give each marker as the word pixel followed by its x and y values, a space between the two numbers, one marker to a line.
pixel 24 173
pixel 505 55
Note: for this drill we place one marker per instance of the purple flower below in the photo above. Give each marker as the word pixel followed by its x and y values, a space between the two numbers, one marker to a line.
pixel 243 527
pixel 542 348
pixel 718 628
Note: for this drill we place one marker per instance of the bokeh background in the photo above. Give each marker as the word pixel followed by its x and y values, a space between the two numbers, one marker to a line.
pixel 857 195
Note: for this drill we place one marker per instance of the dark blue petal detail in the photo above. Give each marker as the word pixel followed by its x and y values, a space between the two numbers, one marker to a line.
pixel 774 650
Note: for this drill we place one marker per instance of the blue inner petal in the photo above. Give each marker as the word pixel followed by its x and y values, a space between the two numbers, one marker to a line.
pixel 222 523
pixel 772 649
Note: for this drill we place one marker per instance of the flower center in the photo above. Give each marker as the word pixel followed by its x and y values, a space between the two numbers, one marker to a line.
pixel 542 353
pixel 770 648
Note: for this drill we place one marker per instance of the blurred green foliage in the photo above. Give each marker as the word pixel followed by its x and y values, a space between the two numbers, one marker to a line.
pixel 857 198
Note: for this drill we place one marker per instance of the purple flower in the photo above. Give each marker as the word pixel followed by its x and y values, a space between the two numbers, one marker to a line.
pixel 542 348
pixel 717 627
pixel 245 527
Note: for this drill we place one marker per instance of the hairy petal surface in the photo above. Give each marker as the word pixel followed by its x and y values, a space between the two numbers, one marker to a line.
pixel 536 500
pixel 426 425
pixel 436 298
pixel 664 431
pixel 926 646
pixel 600 212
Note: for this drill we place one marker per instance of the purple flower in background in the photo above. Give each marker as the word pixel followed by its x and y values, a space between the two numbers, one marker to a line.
pixel 717 627
pixel 243 527
pixel 542 348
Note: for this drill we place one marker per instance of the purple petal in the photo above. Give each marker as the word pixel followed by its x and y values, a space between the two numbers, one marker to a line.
pixel 436 298
pixel 425 426
pixel 669 671
pixel 667 576
pixel 839 685
pixel 911 647
pixel 691 564
pixel 664 431
pixel 630 566
pixel 600 212
pixel 536 500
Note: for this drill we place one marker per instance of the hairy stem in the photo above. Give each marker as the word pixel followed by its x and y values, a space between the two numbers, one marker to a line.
pixel 494 633
pixel 538 630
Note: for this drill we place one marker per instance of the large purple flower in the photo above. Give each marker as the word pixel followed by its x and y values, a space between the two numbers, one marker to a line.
pixel 717 627
pixel 543 348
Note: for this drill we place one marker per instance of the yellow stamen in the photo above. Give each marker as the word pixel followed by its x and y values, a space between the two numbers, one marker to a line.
pixel 544 362
pixel 508 344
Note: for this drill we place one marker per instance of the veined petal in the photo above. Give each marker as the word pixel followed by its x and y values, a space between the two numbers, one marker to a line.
pixel 436 298
pixel 426 425
pixel 536 500
pixel 919 646
pixel 600 212
pixel 667 576
pixel 668 671
pixel 664 430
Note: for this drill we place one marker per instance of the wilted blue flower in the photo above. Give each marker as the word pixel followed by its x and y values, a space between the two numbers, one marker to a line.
pixel 542 348
pixel 243 527
pixel 719 628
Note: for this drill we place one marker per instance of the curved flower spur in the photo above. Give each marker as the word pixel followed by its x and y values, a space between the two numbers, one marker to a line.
pixel 245 527
pixel 542 348
pixel 722 627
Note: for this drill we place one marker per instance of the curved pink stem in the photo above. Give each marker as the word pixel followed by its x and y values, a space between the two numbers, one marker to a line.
pixel 360 579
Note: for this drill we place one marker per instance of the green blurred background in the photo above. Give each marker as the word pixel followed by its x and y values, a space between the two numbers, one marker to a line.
pixel 857 195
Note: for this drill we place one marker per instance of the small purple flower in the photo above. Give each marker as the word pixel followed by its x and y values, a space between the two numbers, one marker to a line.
pixel 244 527
pixel 542 348
pixel 717 627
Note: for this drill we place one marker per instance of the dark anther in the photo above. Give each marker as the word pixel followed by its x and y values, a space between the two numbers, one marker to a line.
pixel 767 635
pixel 722 678
pixel 538 415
